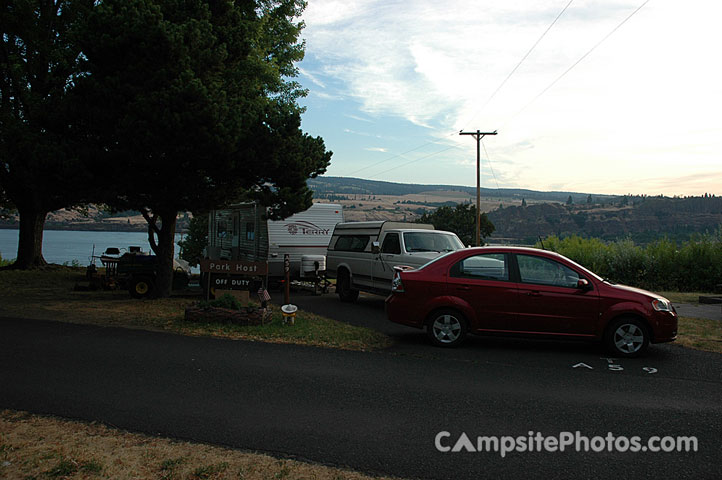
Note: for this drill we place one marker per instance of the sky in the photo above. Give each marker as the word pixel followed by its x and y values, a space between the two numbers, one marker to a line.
pixel 582 100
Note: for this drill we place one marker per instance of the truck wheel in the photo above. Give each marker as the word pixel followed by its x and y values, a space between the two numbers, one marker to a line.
pixel 344 290
pixel 140 287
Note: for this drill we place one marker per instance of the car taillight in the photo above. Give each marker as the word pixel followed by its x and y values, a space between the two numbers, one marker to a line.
pixel 397 286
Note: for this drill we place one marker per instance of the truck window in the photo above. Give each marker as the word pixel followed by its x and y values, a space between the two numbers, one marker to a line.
pixel 391 244
pixel 351 243
pixel 431 242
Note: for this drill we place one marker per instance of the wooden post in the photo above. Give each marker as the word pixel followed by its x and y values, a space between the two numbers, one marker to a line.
pixel 287 272
pixel 478 135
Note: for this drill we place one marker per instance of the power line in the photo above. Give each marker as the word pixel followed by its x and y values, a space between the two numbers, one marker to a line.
pixel 490 167
pixel 578 61
pixel 479 111
pixel 499 88
pixel 390 158
pixel 415 160
pixel 520 62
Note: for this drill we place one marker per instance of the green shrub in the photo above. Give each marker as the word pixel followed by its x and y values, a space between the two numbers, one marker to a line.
pixel 3 262
pixel 225 301
pixel 695 265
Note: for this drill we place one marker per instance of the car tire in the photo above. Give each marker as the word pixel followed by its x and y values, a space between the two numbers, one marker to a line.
pixel 344 290
pixel 627 337
pixel 446 328
pixel 140 287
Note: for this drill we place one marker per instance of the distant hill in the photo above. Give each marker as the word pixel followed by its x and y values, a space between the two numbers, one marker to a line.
pixel 609 217
pixel 643 219
pixel 357 186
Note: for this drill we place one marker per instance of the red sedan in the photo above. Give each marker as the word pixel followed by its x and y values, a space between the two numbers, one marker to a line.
pixel 526 291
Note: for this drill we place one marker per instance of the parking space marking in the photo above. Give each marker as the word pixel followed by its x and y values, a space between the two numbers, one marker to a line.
pixel 613 367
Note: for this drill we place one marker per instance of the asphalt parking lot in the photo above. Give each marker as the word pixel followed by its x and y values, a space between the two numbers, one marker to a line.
pixel 368 312
pixel 379 412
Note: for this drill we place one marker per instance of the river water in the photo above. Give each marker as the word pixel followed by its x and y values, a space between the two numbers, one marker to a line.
pixel 68 246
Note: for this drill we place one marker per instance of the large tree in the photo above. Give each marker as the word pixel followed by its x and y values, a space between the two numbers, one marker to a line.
pixel 192 105
pixel 39 63
pixel 460 220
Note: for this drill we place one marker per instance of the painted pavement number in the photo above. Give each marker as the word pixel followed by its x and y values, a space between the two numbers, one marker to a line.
pixel 613 367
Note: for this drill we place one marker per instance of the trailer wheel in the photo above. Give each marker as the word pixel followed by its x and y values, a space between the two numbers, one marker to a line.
pixel 140 287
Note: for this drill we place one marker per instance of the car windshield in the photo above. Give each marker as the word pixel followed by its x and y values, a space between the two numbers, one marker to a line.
pixel 431 242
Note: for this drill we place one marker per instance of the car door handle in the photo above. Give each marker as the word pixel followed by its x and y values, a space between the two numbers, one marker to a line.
pixel 465 288
pixel 534 293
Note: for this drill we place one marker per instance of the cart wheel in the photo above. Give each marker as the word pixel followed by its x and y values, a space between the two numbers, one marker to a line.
pixel 140 287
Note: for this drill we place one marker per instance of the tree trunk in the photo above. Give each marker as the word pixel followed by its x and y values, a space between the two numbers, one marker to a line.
pixel 165 253
pixel 30 243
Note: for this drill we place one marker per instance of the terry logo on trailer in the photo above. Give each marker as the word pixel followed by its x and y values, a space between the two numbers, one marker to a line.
pixel 306 228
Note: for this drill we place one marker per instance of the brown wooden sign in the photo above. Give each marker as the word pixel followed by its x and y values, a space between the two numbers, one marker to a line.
pixel 234 267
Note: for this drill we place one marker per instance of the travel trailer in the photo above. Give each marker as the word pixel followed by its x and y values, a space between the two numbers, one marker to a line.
pixel 241 232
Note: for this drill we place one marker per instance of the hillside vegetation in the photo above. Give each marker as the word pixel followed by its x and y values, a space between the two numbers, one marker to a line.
pixel 642 219
pixel 325 186
pixel 522 216
pixel 694 265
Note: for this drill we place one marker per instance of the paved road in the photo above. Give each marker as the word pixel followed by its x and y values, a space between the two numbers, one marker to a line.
pixel 709 311
pixel 375 412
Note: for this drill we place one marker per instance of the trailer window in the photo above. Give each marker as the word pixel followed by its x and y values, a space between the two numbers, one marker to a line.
pixel 221 229
pixel 351 243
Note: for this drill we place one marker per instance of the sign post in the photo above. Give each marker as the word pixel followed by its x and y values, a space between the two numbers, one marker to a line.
pixel 233 274
pixel 287 273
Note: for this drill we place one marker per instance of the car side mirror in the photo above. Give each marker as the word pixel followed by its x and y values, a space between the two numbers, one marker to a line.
pixel 375 248
pixel 583 284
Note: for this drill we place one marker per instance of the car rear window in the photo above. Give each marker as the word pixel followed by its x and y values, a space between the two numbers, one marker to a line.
pixel 485 266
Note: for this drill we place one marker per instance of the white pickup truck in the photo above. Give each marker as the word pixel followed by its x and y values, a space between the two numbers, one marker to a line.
pixel 362 255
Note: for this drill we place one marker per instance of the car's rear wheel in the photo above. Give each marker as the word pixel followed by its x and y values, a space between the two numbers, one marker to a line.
pixel 627 337
pixel 446 328
pixel 343 288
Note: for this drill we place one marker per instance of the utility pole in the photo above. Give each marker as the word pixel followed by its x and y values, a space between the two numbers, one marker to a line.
pixel 478 135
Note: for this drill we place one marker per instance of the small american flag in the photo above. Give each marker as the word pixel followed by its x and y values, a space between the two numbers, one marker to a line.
pixel 263 294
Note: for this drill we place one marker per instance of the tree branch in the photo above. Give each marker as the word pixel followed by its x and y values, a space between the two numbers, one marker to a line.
pixel 153 229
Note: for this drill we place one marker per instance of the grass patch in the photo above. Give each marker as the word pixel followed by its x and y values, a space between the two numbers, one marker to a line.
pixel 683 297
pixel 209 471
pixel 309 329
pixel 65 468
pixel 45 447
pixel 700 334
pixel 48 294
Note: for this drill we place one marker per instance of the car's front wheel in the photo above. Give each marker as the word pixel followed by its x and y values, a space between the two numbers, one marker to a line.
pixel 446 328
pixel 627 337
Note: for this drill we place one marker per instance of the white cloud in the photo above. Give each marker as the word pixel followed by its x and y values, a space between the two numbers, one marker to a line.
pixel 647 98
pixel 314 78
pixel 356 117
pixel 326 96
